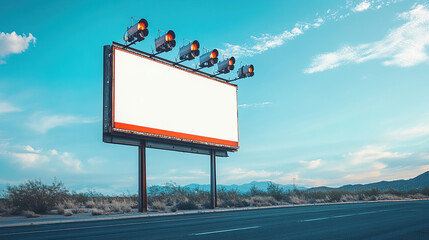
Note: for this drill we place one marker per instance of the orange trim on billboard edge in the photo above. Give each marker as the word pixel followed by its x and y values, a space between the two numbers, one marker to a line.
pixel 131 127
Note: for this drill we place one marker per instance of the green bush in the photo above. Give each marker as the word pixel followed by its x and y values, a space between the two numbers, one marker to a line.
pixel 36 196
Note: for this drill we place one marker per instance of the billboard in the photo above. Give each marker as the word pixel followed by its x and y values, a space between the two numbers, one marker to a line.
pixel 152 98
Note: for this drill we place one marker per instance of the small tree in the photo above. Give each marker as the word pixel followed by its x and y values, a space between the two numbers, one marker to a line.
pixel 275 191
pixel 36 196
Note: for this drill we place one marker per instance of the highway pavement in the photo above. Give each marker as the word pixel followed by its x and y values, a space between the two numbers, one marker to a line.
pixel 378 220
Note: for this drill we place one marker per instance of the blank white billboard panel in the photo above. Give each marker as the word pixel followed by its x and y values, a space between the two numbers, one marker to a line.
pixel 156 99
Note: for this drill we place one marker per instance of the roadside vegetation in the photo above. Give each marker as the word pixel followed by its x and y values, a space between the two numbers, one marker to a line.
pixel 35 197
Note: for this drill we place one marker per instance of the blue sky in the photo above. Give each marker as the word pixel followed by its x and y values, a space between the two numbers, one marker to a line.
pixel 339 96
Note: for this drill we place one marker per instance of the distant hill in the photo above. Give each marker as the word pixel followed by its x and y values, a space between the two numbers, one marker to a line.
pixel 419 182
pixel 244 188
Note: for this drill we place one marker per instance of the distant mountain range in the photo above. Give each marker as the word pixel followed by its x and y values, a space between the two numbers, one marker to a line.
pixel 419 182
pixel 244 188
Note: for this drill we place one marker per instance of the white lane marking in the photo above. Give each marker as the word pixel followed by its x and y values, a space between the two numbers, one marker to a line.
pixel 341 216
pixel 104 226
pixel 226 230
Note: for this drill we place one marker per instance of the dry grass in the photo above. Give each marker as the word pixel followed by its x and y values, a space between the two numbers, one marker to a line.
pixel 388 197
pixel 97 212
pixel 158 205
pixel 260 201
pixel 294 199
pixel 68 213
pixel 30 214
pixel 60 208
pixel 90 204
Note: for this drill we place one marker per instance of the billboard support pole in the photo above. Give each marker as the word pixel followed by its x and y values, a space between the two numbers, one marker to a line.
pixel 213 194
pixel 142 178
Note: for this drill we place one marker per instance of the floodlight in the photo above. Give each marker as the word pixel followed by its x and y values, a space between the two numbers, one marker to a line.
pixel 226 66
pixel 137 32
pixel 189 51
pixel 246 71
pixel 166 42
pixel 209 59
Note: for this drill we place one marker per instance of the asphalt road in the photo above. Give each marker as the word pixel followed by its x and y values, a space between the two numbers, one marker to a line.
pixel 382 220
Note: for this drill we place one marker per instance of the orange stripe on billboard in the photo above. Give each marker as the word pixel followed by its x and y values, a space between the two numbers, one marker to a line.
pixel 136 128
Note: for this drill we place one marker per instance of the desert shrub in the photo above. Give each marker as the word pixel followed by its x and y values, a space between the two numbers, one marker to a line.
pixel 206 205
pixel 259 201
pixel 60 208
pixel 425 191
pixel 158 205
pixel 68 213
pixel 188 205
pixel 254 191
pixel 388 196
pixel 335 196
pixel 69 204
pixel 296 199
pixel 228 195
pixel 241 203
pixel 90 204
pixel 226 204
pixel 36 196
pixel 417 196
pixel 96 212
pixel 30 214
pixel 275 191
pixel 413 191
pixel 116 206
pixel 80 198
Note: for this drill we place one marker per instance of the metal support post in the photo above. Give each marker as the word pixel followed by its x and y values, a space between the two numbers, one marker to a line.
pixel 142 178
pixel 213 194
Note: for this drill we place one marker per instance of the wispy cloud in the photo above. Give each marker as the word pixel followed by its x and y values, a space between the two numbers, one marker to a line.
pixel 6 107
pixel 373 153
pixel 12 43
pixel 362 6
pixel 264 42
pixel 240 173
pixel 404 46
pixel 412 132
pixel 312 164
pixel 43 123
pixel 247 105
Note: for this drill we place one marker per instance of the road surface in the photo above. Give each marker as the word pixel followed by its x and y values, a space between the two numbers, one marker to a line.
pixel 381 220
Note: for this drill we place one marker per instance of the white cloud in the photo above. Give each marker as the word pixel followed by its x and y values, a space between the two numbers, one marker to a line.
pixel 262 43
pixel 12 43
pixel 318 22
pixel 265 42
pixel 362 6
pixel 312 164
pixel 72 164
pixel 262 104
pixel 367 174
pixel 30 158
pixel 373 153
pixel 404 46
pixel 2 61
pixel 7 107
pixel 198 173
pixel 29 148
pixel 43 123
pixel 411 133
